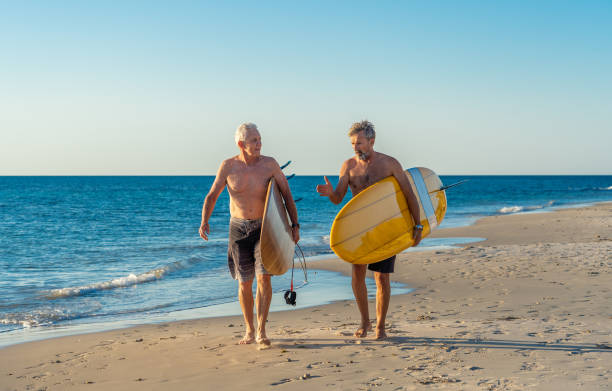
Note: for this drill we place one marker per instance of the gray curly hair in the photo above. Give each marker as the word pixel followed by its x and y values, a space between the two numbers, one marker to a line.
pixel 366 126
pixel 242 130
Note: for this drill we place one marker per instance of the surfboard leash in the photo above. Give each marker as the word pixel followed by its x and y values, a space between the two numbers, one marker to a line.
pixel 302 264
pixel 291 294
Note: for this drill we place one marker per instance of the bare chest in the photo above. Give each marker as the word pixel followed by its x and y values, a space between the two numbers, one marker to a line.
pixel 363 176
pixel 247 180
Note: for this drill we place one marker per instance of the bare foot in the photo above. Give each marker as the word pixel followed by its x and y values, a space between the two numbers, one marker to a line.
pixel 263 340
pixel 247 339
pixel 380 334
pixel 362 331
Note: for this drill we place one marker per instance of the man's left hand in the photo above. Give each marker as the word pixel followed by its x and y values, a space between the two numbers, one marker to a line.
pixel 416 235
pixel 295 232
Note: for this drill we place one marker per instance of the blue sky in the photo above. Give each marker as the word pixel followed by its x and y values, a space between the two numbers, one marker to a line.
pixel 159 87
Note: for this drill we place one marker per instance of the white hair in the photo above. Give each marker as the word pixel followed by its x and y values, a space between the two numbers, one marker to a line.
pixel 242 131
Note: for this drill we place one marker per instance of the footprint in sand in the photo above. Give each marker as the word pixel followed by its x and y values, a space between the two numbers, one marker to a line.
pixel 281 381
pixel 320 364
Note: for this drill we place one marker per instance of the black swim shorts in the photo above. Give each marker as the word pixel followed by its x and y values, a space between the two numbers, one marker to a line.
pixel 384 266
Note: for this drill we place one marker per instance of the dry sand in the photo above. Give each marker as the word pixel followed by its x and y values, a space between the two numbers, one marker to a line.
pixel 528 309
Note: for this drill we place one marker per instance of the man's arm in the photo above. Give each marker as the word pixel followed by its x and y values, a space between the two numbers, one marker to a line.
pixel 411 200
pixel 327 190
pixel 283 185
pixel 211 199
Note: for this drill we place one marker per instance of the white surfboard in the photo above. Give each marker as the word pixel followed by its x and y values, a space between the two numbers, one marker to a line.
pixel 277 245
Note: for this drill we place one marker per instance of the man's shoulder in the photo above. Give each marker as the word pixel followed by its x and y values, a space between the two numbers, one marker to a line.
pixel 350 162
pixel 387 159
pixel 230 165
pixel 384 156
pixel 267 163
pixel 268 159
pixel 229 161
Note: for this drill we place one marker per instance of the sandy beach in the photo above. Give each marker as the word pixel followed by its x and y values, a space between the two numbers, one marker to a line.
pixel 527 309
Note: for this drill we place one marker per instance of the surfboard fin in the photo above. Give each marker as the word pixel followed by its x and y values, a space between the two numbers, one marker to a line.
pixel 285 165
pixel 449 186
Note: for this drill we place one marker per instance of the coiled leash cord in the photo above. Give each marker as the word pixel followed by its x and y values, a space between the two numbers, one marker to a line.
pixel 291 295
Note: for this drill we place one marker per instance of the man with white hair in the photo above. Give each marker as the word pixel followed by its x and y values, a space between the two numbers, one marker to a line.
pixel 362 170
pixel 246 176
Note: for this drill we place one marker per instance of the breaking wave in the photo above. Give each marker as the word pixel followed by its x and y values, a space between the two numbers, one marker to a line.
pixel 516 209
pixel 121 282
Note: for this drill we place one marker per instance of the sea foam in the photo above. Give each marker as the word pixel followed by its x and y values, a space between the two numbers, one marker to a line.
pixel 35 318
pixel 516 209
pixel 121 282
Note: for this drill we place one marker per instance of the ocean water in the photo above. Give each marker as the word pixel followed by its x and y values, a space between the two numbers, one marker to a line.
pixel 89 253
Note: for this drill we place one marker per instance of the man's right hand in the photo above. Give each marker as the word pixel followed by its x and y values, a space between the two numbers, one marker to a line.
pixel 325 190
pixel 204 231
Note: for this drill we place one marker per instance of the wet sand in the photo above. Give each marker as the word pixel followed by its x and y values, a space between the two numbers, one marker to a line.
pixel 527 309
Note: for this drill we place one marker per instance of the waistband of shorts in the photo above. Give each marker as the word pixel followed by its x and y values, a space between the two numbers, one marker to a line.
pixel 244 221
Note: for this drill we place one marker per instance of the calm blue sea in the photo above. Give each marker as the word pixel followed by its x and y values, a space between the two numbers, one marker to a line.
pixel 87 253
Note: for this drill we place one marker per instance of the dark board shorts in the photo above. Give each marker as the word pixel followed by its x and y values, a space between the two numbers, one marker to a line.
pixel 384 266
pixel 243 252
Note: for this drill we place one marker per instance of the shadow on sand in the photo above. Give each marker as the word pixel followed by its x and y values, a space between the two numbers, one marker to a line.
pixel 449 344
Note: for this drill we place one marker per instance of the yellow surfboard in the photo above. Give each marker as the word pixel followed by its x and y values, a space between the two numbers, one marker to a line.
pixel 376 224
pixel 276 242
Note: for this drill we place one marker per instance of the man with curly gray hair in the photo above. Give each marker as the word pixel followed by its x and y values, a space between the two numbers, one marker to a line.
pixel 246 177
pixel 362 170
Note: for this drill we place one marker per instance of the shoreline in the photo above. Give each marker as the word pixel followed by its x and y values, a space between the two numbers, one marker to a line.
pixel 73 328
pixel 498 313
pixel 307 298
pixel 231 308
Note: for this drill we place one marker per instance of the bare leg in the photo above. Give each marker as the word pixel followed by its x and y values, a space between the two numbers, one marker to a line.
pixel 263 299
pixel 361 297
pixel 383 295
pixel 245 294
